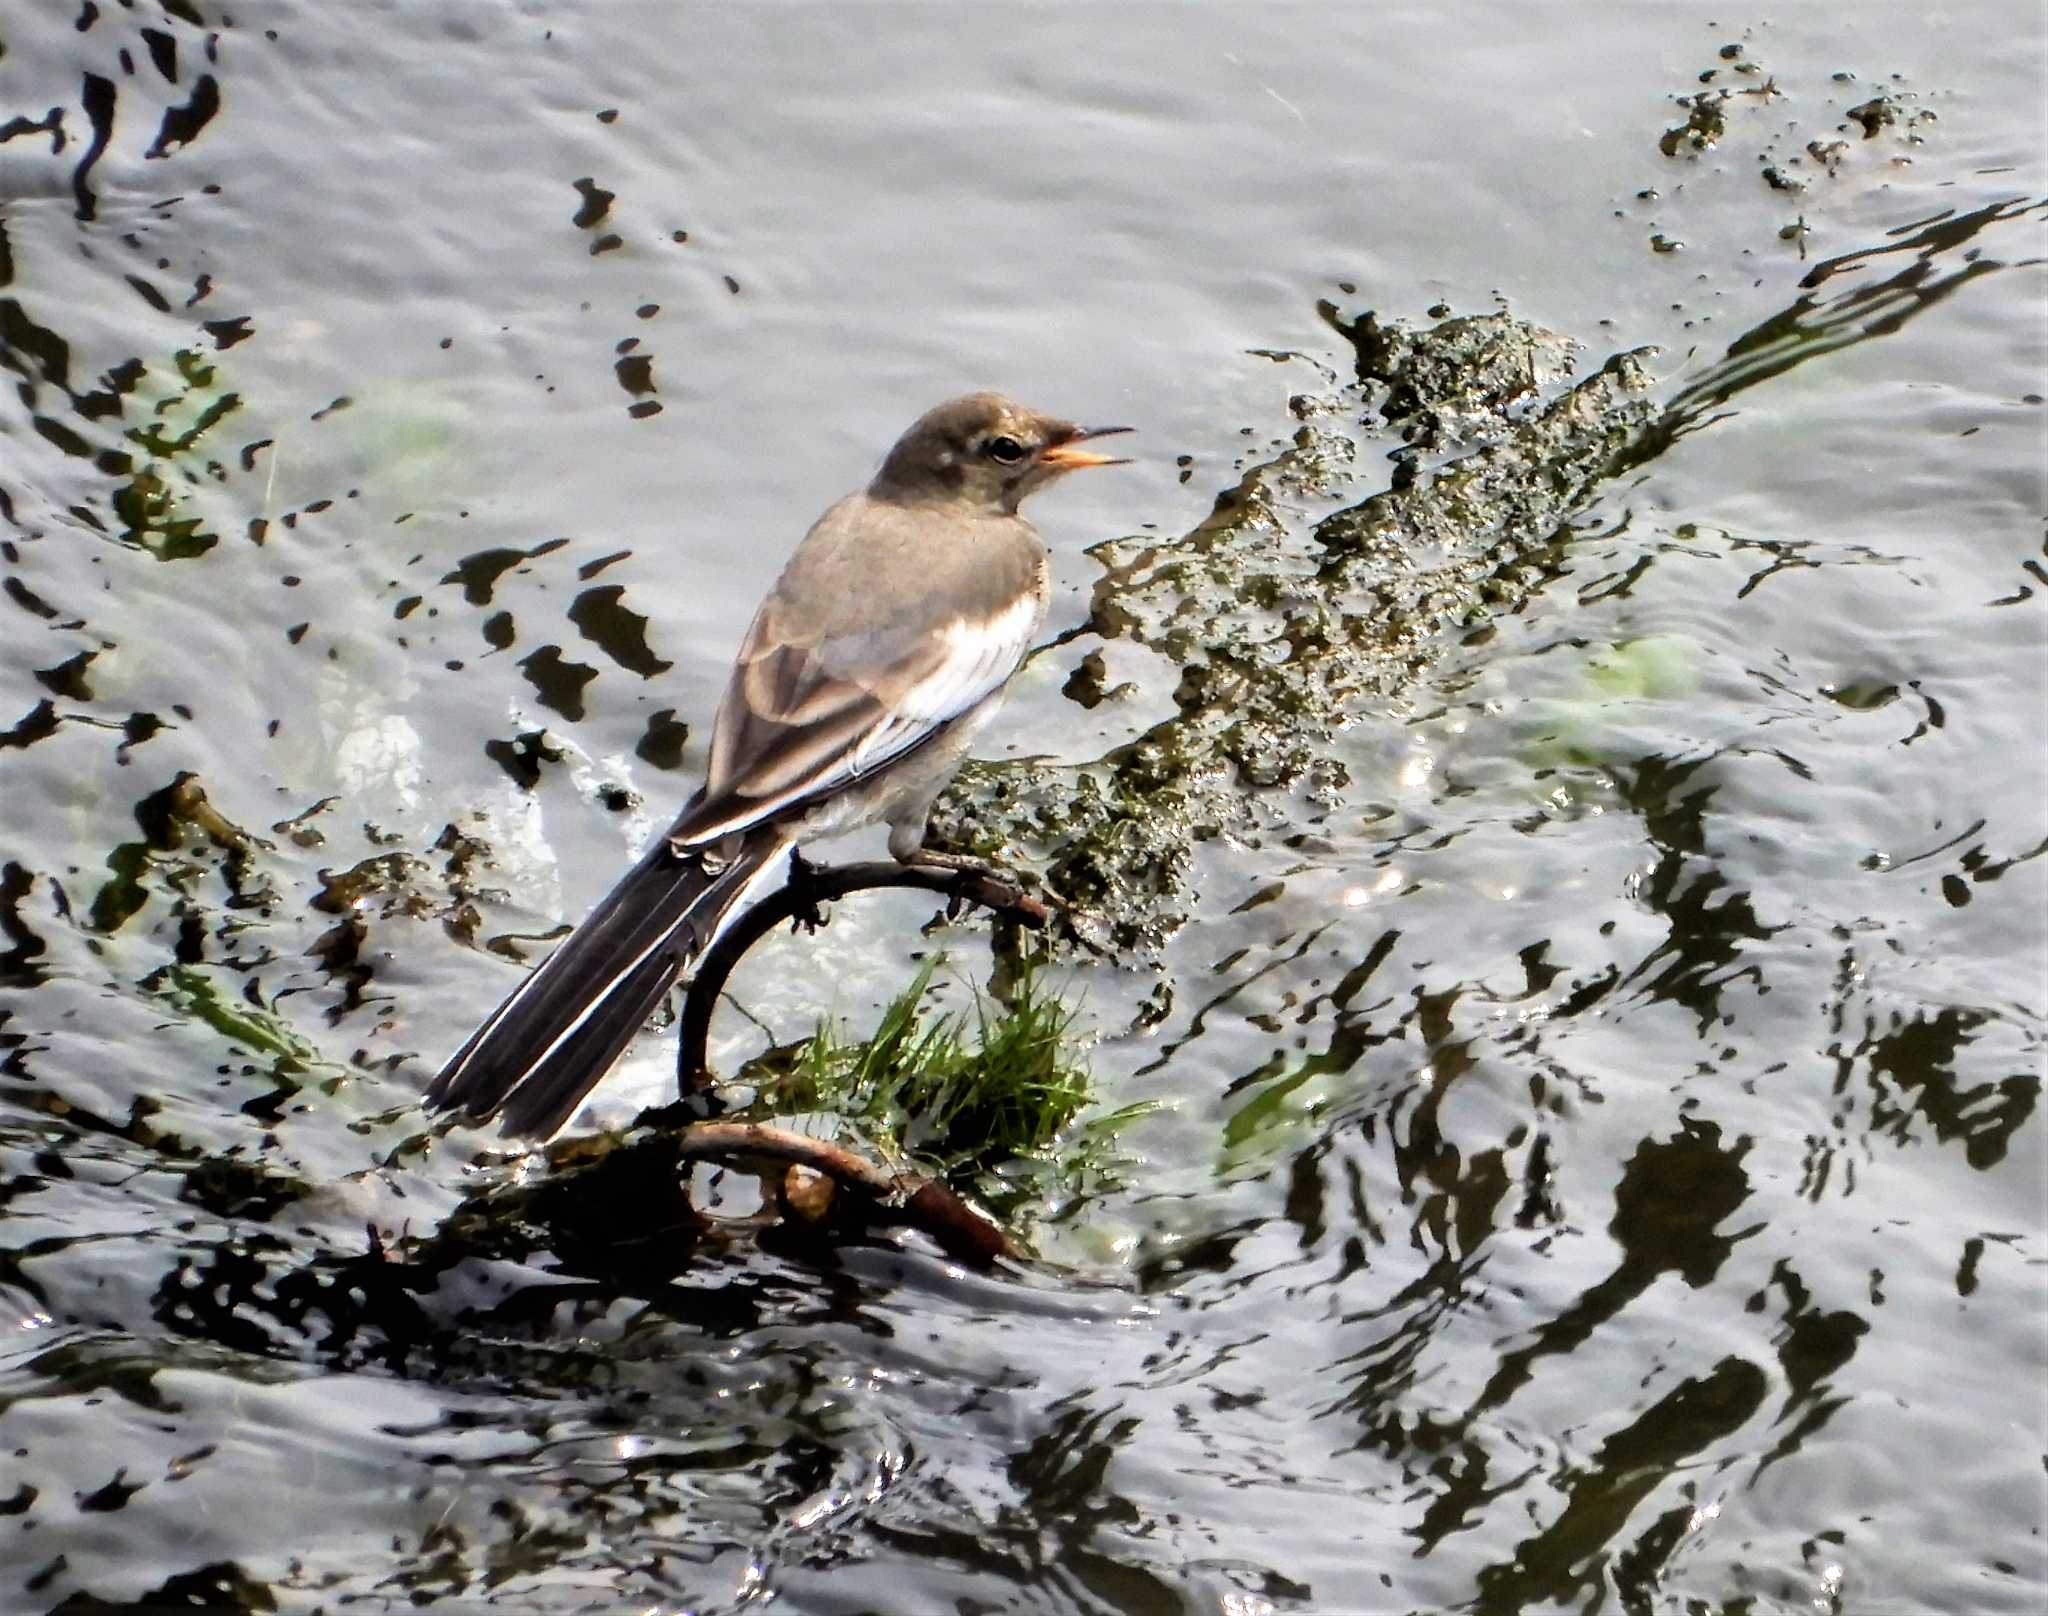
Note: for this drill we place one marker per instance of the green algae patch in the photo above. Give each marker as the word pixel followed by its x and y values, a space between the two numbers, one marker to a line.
pixel 1580 730
pixel 195 991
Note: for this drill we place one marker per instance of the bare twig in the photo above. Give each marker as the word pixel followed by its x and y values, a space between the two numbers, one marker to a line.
pixel 896 1197
pixel 723 1139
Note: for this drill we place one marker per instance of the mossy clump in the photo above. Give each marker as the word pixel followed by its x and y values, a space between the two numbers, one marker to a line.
pixel 991 1098
pixel 1286 635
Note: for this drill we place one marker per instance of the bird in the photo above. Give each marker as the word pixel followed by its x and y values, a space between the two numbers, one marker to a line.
pixel 880 652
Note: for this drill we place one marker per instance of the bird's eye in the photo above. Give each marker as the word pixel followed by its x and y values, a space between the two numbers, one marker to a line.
pixel 1004 451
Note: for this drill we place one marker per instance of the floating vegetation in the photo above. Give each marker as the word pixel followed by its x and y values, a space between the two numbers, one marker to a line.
pixel 153 505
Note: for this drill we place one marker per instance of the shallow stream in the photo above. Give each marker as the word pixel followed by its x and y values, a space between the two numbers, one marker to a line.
pixel 1554 717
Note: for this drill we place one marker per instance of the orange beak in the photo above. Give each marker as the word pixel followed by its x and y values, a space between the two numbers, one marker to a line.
pixel 1065 457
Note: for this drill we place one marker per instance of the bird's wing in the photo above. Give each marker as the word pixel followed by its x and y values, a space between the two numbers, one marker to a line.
pixel 803 718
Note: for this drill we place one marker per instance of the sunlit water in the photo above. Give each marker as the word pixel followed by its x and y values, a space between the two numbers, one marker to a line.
pixel 1598 1160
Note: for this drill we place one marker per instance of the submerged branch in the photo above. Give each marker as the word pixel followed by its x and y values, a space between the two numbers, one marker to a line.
pixel 897 1197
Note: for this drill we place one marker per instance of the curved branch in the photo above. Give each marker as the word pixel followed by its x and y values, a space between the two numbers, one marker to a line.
pixel 961 1229
pixel 718 1140
pixel 809 886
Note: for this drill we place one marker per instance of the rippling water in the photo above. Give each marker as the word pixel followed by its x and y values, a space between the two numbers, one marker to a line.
pixel 1598 1161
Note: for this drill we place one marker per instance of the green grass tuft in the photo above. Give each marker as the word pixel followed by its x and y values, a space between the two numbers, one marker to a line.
pixel 989 1098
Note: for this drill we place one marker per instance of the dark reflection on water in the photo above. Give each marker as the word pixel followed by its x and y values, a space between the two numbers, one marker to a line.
pixel 1600 1159
pixel 1671 1196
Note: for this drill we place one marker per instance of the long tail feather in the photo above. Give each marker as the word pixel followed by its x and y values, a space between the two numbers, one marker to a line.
pixel 563 1028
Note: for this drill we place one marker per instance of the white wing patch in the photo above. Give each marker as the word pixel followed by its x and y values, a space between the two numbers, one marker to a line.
pixel 978 660
pixel 975 661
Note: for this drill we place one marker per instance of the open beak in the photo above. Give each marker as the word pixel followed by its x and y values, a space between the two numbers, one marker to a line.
pixel 1065 457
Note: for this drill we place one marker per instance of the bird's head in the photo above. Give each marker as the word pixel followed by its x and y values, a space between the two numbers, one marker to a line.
pixel 986 452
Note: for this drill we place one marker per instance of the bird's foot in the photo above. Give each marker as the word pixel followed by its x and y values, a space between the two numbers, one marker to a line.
pixel 1084 927
pixel 1001 888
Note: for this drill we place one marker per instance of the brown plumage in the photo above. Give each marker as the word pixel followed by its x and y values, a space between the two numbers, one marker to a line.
pixel 881 650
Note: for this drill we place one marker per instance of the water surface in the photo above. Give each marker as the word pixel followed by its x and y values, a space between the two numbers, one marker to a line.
pixel 1598 1161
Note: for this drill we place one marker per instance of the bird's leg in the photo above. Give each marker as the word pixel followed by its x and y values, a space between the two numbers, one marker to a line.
pixel 907 828
pixel 935 859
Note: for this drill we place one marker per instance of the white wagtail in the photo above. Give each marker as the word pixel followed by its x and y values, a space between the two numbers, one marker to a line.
pixel 881 650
